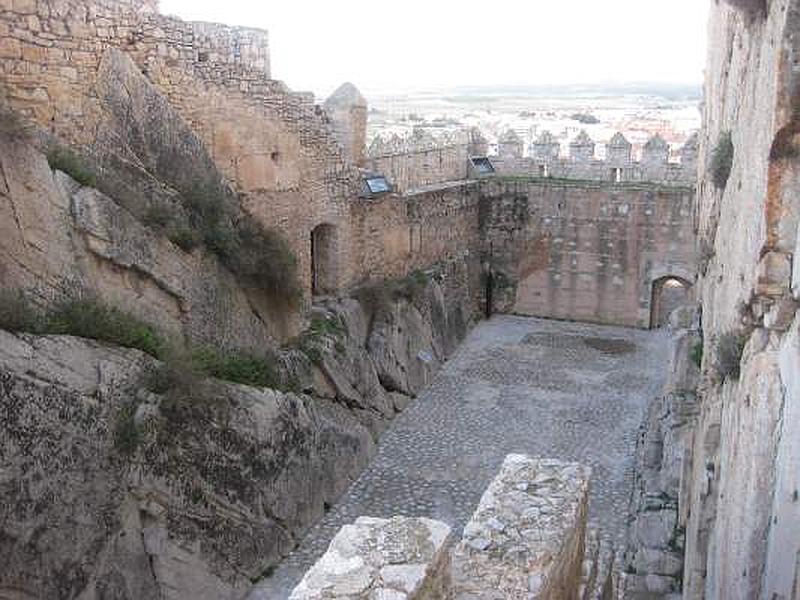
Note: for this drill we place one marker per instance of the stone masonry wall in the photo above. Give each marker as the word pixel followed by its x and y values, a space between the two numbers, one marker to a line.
pixel 586 252
pixel 276 147
pixel 419 160
pixel 545 160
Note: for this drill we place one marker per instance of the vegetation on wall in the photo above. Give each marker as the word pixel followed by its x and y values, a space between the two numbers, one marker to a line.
pixel 260 258
pixel 378 296
pixel 61 158
pixel 697 354
pixel 85 317
pixel 730 347
pixel 722 160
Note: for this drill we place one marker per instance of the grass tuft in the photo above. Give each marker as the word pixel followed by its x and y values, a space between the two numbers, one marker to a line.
pixel 61 158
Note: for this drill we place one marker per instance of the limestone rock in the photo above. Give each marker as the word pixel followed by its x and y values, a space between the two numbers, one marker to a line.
pixel 203 503
pixel 390 559
pixel 526 539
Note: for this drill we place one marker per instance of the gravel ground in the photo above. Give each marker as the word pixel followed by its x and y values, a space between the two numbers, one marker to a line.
pixel 517 385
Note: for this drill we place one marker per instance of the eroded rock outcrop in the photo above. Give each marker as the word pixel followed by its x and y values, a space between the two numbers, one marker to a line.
pixel 740 489
pixel 208 498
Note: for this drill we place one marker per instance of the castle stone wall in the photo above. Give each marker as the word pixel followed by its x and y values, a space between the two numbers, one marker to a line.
pixel 545 160
pixel 585 252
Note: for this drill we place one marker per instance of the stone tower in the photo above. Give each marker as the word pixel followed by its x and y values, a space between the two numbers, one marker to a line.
pixel 347 110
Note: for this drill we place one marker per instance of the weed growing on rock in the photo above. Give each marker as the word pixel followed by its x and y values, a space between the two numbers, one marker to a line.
pixel 91 318
pixel 61 158
pixel 730 347
pixel 378 296
pixel 260 258
pixel 127 436
pixel 697 354
pixel 18 314
pixel 242 367
pixel 722 160
pixel 82 317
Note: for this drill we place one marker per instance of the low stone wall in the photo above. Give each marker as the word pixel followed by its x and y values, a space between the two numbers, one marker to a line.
pixel 526 539
pixel 382 559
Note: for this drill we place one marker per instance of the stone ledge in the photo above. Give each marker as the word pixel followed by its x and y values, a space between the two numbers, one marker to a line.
pixel 381 559
pixel 526 539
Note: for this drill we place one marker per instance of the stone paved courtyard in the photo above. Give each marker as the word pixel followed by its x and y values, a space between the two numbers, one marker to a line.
pixel 517 385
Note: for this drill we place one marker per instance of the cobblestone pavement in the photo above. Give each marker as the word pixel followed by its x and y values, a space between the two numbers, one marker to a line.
pixel 517 385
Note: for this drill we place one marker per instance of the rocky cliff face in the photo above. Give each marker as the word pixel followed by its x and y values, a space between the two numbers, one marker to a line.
pixel 740 493
pixel 111 490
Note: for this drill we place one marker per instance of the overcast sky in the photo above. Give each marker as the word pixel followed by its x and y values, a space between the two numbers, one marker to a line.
pixel 383 44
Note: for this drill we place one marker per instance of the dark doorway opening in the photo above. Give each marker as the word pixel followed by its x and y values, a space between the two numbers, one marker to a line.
pixel 323 259
pixel 668 294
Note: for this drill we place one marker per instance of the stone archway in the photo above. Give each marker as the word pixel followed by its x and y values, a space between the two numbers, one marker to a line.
pixel 668 293
pixel 324 263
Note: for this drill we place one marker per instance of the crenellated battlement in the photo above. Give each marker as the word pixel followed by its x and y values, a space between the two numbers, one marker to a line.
pixel 422 159
pixel 544 159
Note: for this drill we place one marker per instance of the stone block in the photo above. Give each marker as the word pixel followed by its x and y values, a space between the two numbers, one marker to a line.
pixel 526 539
pixel 774 274
pixel 780 314
pixel 392 559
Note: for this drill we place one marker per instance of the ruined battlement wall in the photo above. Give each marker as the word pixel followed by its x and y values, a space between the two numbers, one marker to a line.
pixel 544 159
pixel 51 52
pixel 585 252
pixel 421 159
pixel 398 234
pixel 276 147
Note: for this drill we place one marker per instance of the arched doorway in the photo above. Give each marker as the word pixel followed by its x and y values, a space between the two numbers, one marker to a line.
pixel 323 259
pixel 669 293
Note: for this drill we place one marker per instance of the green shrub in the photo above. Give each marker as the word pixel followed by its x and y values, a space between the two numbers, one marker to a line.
pixel 126 433
pixel 722 160
pixel 730 347
pixel 91 318
pixel 185 238
pixel 158 215
pixel 261 258
pixel 328 325
pixel 697 354
pixel 239 367
pixel 378 296
pixel 63 159
pixel 264 259
pixel 17 313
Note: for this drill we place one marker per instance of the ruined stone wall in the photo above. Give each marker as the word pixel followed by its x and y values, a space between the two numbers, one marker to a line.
pixel 740 495
pixel 420 160
pixel 276 147
pixel 397 234
pixel 582 251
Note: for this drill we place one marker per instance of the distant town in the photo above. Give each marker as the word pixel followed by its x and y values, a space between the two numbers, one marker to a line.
pixel 639 111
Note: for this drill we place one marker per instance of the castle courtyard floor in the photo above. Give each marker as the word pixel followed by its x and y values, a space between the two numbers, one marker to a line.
pixel 517 385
